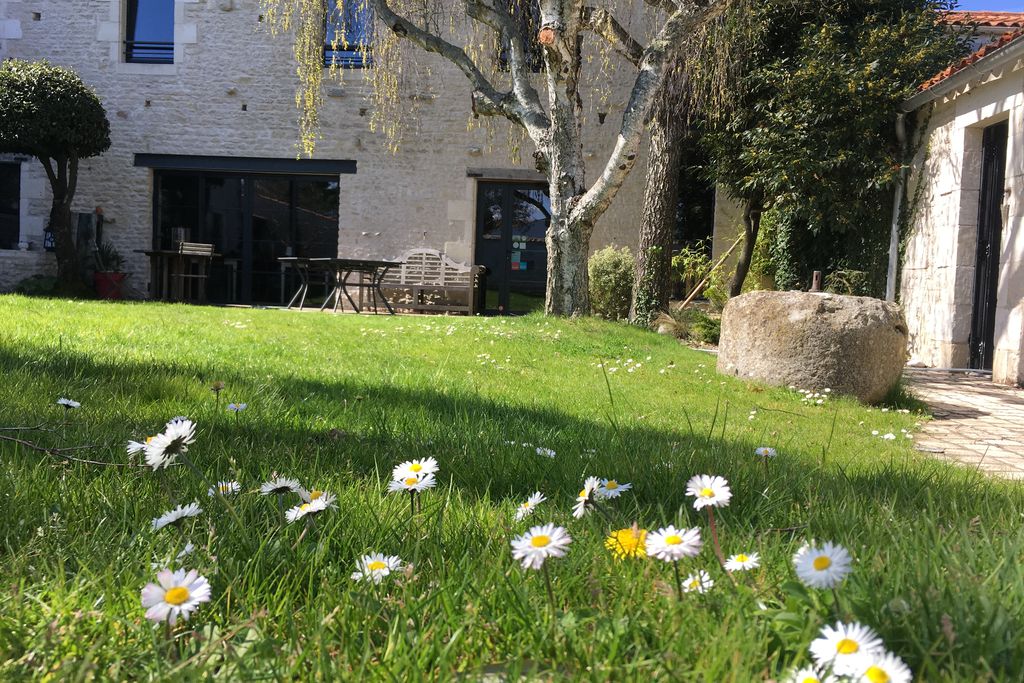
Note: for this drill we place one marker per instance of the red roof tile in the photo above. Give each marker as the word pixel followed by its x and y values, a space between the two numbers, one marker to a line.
pixel 984 51
pixel 994 19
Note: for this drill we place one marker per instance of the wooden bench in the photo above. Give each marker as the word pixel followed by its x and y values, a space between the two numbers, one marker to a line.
pixel 428 281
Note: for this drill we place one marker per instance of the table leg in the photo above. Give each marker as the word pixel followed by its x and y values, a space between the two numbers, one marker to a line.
pixel 347 295
pixel 304 276
pixel 377 278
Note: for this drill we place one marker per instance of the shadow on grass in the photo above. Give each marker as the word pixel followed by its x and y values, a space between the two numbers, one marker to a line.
pixel 487 447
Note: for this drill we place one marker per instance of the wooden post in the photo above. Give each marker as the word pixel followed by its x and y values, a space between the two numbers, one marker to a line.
pixel 816 281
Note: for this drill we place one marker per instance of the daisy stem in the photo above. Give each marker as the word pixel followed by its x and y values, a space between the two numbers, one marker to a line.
pixel 280 504
pixel 162 477
pixel 301 536
pixel 714 536
pixel 551 592
pixel 215 489
pixel 679 580
pixel 838 605
pixel 604 513
pixel 412 504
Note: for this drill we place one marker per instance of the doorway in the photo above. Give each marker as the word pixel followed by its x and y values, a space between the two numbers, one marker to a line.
pixel 990 227
pixel 252 220
pixel 512 219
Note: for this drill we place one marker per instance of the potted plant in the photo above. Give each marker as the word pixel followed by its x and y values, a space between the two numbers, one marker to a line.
pixel 109 276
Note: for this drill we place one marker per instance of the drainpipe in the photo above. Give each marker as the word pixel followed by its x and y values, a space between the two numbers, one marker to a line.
pixel 897 204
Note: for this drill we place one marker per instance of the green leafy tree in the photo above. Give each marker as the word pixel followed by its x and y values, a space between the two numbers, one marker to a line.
pixel 48 112
pixel 810 133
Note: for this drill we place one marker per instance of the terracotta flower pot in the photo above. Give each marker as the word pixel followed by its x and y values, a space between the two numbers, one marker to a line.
pixel 109 285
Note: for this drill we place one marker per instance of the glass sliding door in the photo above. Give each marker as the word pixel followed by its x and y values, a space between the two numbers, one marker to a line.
pixel 512 219
pixel 251 220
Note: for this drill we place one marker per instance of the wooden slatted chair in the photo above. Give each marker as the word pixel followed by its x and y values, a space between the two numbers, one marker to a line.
pixel 192 267
pixel 428 280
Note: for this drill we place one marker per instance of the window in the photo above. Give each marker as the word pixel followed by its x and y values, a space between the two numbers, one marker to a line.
pixel 526 14
pixel 10 205
pixel 149 32
pixel 349 34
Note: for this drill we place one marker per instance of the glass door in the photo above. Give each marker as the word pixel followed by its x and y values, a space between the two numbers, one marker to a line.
pixel 512 219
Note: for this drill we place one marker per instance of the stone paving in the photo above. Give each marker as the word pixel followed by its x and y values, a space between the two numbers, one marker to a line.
pixel 976 423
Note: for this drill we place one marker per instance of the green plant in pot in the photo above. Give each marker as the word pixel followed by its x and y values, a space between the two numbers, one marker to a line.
pixel 109 276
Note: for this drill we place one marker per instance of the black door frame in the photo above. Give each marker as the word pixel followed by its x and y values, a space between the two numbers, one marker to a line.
pixel 989 246
pixel 246 205
pixel 504 292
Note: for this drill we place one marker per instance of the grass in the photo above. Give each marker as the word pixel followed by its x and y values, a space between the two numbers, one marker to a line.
pixel 337 401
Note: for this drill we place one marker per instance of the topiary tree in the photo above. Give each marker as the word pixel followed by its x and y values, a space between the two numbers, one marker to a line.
pixel 48 112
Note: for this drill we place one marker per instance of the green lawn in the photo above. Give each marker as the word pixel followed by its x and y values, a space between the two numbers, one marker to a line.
pixel 337 401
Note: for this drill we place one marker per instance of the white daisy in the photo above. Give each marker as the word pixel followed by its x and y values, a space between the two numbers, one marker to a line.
pixel 413 483
pixel 708 490
pixel 226 488
pixel 810 674
pixel 700 582
pixel 610 488
pixel 540 543
pixel 414 468
pixel 306 509
pixel 526 509
pixel 742 562
pixel 765 452
pixel 585 499
pixel 823 567
pixel 375 567
pixel 176 594
pixel 164 448
pixel 317 494
pixel 237 407
pixel 136 446
pixel 186 551
pixel 279 486
pixel 546 452
pixel 844 647
pixel 176 515
pixel 881 667
pixel 671 544
pixel 68 403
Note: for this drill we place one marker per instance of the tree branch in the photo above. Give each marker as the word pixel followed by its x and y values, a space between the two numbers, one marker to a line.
pixel 61 453
pixel 602 23
pixel 505 26
pixel 487 99
pixel 652 70
pixel 48 166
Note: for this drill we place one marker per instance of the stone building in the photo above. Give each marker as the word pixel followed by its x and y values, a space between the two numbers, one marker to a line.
pixel 201 100
pixel 962 285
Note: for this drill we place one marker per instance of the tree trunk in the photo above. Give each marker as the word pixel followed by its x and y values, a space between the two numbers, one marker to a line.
pixel 652 281
pixel 568 285
pixel 751 226
pixel 63 180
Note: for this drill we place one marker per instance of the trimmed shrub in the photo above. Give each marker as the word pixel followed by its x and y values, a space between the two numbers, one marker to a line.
pixel 611 282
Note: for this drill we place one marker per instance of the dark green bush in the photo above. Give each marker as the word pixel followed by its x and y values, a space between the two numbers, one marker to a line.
pixel 611 282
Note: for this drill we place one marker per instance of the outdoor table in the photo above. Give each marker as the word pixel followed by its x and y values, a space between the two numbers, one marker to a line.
pixel 304 268
pixel 164 263
pixel 344 267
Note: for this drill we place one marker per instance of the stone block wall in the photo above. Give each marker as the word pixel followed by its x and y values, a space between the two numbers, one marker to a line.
pixel 231 92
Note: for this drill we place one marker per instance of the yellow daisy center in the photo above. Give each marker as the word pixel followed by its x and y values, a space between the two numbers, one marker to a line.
pixel 847 646
pixel 673 540
pixel 707 493
pixel 526 504
pixel 176 596
pixel 540 541
pixel 822 562
pixel 612 485
pixel 376 566
pixel 304 507
pixel 876 674
pixel 225 488
pixel 742 558
pixel 810 679
pixel 627 543
pixel 315 494
pixel 416 467
pixel 694 583
pixel 149 439
pixel 411 481
pixel 582 494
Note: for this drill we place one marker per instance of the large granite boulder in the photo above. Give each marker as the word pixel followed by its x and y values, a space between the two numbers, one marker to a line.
pixel 850 344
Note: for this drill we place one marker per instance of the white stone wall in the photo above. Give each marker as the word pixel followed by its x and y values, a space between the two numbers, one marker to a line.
pixel 231 91
pixel 938 274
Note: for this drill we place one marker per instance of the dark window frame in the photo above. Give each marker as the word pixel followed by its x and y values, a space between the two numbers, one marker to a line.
pixel 142 51
pixel 344 55
pixel 14 218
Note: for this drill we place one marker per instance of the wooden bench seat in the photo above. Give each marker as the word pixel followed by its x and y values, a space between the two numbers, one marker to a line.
pixel 429 281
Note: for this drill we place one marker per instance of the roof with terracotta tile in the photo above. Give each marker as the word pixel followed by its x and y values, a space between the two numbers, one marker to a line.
pixel 981 18
pixel 984 51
